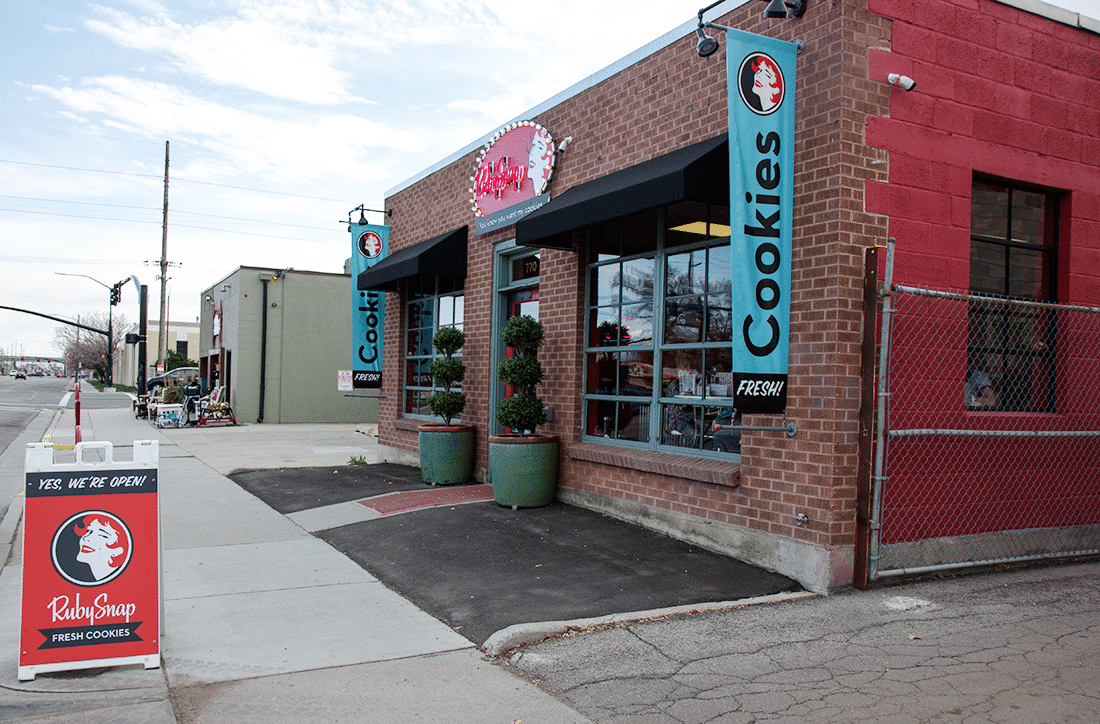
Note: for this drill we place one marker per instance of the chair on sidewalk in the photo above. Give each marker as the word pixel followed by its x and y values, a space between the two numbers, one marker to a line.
pixel 214 409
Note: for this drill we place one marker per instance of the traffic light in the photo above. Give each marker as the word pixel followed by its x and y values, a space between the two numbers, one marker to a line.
pixel 116 294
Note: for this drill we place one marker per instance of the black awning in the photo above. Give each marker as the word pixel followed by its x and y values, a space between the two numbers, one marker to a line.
pixel 443 254
pixel 696 173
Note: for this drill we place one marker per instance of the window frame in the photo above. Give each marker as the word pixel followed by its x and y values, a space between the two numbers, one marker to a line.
pixel 1041 352
pixel 443 287
pixel 656 405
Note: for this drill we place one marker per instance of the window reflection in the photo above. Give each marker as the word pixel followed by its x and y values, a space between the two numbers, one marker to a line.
pixel 659 355
pixel 433 302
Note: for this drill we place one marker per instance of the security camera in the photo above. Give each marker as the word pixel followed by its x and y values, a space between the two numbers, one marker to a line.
pixel 904 81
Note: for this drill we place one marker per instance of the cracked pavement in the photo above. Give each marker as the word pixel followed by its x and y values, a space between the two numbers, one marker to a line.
pixel 1012 646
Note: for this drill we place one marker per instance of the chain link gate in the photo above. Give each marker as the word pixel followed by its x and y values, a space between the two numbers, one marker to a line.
pixel 987 431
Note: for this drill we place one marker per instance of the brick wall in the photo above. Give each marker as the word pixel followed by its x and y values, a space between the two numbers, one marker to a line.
pixel 870 161
pixel 667 101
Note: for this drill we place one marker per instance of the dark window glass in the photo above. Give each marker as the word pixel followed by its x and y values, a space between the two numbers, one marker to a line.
pixel 658 358
pixel 1010 353
pixel 431 302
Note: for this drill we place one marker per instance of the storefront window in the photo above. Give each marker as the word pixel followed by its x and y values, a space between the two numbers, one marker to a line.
pixel 1010 353
pixel 433 302
pixel 660 333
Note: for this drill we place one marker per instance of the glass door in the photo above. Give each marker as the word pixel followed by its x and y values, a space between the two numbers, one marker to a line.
pixel 517 293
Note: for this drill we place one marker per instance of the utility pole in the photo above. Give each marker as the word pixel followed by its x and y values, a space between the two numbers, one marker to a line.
pixel 162 340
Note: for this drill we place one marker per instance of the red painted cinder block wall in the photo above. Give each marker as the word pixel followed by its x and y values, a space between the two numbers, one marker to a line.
pixel 1001 92
pixel 1007 94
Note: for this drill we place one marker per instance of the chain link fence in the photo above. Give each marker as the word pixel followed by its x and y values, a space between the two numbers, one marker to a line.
pixel 988 432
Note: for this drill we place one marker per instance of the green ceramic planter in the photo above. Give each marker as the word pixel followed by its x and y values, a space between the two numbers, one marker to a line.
pixel 523 470
pixel 446 453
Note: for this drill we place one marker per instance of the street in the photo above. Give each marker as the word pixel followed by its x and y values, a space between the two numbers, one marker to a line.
pixel 22 399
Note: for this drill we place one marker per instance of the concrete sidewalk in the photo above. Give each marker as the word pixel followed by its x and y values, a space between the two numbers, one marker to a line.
pixel 263 622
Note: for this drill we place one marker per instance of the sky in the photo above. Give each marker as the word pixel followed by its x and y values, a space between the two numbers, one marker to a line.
pixel 280 115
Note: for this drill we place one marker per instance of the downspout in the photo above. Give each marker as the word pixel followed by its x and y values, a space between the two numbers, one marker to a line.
pixel 263 350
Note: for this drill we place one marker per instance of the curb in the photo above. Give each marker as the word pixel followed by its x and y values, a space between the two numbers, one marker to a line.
pixel 9 523
pixel 522 634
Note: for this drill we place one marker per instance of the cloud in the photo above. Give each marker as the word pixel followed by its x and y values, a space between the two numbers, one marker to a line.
pixel 283 145
pixel 262 55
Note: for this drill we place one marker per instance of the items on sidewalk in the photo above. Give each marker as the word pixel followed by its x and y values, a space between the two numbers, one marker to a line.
pixel 182 406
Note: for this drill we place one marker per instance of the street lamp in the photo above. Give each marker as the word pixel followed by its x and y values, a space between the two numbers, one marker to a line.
pixel 116 297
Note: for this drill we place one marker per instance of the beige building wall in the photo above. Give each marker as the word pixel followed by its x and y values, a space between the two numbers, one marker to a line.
pixel 282 337
pixel 126 356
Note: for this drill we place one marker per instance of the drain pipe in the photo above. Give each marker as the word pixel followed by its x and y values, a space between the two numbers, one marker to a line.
pixel 265 278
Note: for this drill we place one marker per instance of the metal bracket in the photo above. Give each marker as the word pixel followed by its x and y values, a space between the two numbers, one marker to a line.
pixel 362 215
pixel 790 428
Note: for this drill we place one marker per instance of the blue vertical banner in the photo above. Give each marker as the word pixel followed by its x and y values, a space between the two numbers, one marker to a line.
pixel 369 245
pixel 760 73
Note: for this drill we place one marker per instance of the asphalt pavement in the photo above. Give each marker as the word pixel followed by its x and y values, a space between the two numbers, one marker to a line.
pixel 300 588
pixel 1008 646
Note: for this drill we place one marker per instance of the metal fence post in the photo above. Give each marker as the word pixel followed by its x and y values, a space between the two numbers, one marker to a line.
pixel 860 572
pixel 877 478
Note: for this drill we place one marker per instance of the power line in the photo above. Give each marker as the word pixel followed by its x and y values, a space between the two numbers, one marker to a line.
pixel 174 226
pixel 52 260
pixel 76 216
pixel 85 203
pixel 149 208
pixel 177 178
pixel 74 168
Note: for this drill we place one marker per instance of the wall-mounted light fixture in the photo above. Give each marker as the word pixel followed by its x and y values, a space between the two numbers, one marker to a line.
pixel 707 45
pixel 363 215
pixel 904 81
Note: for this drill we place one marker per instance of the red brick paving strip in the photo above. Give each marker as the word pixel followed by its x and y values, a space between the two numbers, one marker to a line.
pixel 403 502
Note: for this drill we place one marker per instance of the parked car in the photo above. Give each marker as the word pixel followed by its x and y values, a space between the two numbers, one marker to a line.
pixel 180 376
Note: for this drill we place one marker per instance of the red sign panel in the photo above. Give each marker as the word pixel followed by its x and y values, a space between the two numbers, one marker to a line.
pixel 514 167
pixel 91 563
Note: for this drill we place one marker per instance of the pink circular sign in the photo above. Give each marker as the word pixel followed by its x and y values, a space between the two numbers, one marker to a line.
pixel 514 166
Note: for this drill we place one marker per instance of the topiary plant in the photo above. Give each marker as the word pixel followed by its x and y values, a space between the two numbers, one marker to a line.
pixel 446 371
pixel 523 410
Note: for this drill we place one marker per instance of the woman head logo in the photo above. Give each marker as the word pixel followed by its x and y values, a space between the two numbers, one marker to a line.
pixel 370 244
pixel 91 548
pixel 761 83
pixel 540 159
